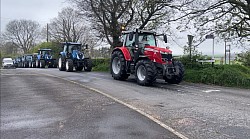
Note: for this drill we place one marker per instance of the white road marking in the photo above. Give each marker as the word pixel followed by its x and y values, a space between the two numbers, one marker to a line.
pixel 209 91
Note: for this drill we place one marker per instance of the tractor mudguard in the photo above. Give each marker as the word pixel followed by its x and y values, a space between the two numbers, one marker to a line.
pixel 62 54
pixel 125 52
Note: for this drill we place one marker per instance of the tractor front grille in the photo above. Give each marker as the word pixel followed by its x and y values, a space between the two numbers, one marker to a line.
pixel 166 57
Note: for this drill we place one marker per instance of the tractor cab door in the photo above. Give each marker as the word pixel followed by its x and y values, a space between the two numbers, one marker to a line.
pixel 129 44
pixel 132 43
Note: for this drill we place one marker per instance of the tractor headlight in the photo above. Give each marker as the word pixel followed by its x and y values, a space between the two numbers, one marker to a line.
pixel 80 56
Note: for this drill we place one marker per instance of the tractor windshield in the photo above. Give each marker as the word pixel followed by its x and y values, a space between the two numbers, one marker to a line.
pixel 28 57
pixel 147 39
pixel 45 52
pixel 74 47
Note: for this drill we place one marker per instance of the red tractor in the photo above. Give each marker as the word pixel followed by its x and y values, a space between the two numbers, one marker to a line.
pixel 139 55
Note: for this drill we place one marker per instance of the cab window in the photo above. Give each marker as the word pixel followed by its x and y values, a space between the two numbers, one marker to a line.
pixel 128 42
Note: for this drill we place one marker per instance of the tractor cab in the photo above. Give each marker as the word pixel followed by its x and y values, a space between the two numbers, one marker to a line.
pixel 72 57
pixel 44 58
pixel 143 43
pixel 70 47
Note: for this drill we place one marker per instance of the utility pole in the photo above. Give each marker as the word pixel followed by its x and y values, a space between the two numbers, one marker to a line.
pixel 225 52
pixel 47 32
pixel 211 36
pixel 229 54
pixel 64 38
pixel 190 40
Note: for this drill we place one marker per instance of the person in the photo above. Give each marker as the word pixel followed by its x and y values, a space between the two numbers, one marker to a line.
pixel 143 41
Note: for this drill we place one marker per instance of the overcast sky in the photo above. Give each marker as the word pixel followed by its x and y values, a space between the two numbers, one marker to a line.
pixel 43 11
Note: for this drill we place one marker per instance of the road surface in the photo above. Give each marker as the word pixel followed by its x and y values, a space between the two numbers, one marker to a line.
pixel 193 110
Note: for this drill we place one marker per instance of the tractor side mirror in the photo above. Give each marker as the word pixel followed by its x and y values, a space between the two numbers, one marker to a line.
pixel 131 36
pixel 86 46
pixel 165 38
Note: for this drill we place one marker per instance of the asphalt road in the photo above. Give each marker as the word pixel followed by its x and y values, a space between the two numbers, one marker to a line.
pixel 196 111
pixel 35 106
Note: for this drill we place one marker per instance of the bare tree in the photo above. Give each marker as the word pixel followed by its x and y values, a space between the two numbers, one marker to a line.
pixel 68 26
pixel 151 14
pixel 228 18
pixel 23 33
pixel 107 16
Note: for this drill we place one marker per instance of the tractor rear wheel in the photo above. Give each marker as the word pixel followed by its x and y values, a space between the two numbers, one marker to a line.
pixel 69 65
pixel 145 72
pixel 61 66
pixel 30 64
pixel 42 64
pixel 33 64
pixel 37 63
pixel 118 66
pixel 175 79
pixel 87 65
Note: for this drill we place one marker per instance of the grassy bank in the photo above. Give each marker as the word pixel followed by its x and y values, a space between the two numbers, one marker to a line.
pixel 101 65
pixel 223 75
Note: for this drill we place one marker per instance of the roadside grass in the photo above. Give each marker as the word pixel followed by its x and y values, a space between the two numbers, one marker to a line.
pixel 101 65
pixel 223 75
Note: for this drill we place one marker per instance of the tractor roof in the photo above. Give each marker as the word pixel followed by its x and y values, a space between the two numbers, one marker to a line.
pixel 27 55
pixel 139 30
pixel 44 49
pixel 74 43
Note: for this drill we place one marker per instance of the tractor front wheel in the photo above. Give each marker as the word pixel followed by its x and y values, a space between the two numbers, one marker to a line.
pixel 79 68
pixel 145 72
pixel 118 66
pixel 69 65
pixel 175 79
pixel 88 65
pixel 61 66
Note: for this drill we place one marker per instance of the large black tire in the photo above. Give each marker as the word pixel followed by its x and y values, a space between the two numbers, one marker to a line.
pixel 145 72
pixel 79 68
pixel 176 79
pixel 87 65
pixel 55 64
pixel 61 65
pixel 37 63
pixel 42 64
pixel 118 66
pixel 33 64
pixel 26 65
pixel 30 64
pixel 69 65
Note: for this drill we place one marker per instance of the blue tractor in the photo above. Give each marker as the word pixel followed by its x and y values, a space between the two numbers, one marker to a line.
pixel 44 58
pixel 72 58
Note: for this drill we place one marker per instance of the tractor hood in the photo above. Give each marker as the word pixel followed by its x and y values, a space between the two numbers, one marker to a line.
pixel 158 49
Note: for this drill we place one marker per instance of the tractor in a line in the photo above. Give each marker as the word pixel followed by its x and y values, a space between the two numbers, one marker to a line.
pixel 140 55
pixel 72 57
pixel 26 60
pixel 44 58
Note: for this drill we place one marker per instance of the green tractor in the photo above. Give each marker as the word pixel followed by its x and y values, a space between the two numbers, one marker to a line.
pixel 72 57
